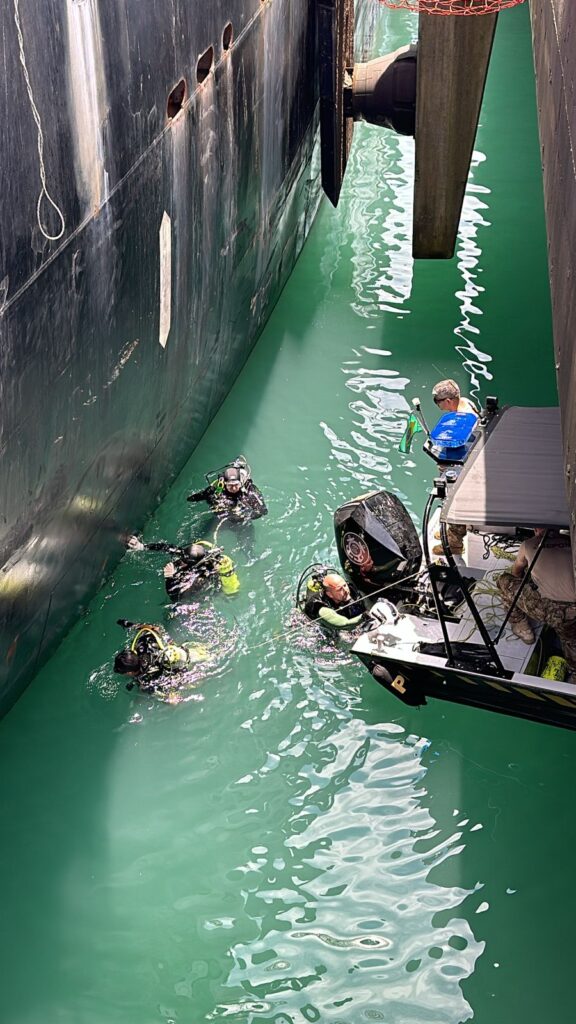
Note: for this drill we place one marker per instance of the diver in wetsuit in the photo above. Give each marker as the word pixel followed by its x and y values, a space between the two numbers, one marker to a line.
pixel 233 494
pixel 192 568
pixel 329 599
pixel 153 658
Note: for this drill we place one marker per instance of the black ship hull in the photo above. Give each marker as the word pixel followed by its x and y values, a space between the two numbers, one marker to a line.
pixel 160 177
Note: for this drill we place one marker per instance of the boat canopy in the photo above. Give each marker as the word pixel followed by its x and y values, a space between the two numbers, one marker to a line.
pixel 514 475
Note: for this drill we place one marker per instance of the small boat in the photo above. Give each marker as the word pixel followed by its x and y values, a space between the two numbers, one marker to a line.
pixel 438 627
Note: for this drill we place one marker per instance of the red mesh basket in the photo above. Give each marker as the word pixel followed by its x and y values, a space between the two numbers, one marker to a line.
pixel 460 7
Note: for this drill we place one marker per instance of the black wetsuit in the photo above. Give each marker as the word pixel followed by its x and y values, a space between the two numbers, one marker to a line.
pixel 317 600
pixel 151 645
pixel 247 504
pixel 191 574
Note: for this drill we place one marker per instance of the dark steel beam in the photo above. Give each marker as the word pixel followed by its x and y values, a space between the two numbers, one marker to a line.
pixel 336 60
pixel 453 58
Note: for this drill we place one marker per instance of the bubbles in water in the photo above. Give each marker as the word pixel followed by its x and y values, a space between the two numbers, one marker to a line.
pixel 104 684
pixel 329 648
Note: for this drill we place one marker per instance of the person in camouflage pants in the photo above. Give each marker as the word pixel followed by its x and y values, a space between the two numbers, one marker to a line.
pixel 549 595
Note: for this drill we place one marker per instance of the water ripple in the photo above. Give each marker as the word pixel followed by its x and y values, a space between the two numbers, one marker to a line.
pixel 358 798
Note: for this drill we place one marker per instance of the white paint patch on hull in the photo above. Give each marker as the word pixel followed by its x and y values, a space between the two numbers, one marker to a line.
pixel 165 238
pixel 88 100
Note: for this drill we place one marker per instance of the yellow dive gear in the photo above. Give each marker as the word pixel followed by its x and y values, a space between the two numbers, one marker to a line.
pixel 556 668
pixel 174 657
pixel 314 585
pixel 197 652
pixel 228 578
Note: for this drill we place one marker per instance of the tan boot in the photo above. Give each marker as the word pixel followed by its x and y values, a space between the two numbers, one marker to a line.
pixel 456 549
pixel 523 630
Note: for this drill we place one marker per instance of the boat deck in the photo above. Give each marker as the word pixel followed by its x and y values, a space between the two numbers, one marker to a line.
pixel 514 653
pixel 484 563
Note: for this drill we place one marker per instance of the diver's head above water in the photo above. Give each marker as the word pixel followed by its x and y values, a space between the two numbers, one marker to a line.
pixel 336 588
pixel 127 663
pixel 232 480
pixel 194 553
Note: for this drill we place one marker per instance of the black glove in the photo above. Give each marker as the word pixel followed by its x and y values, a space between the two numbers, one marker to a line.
pixel 197 496
pixel 125 623
pixel 129 686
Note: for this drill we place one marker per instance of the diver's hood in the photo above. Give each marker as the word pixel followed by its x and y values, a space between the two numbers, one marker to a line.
pixel 244 471
pixel 245 474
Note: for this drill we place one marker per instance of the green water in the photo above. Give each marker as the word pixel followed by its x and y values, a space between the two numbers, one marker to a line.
pixel 291 845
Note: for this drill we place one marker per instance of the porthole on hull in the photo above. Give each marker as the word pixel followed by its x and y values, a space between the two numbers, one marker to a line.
pixel 204 65
pixel 227 37
pixel 176 99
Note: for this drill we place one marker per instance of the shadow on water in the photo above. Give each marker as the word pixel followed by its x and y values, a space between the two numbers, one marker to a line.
pixel 76 901
pixel 56 749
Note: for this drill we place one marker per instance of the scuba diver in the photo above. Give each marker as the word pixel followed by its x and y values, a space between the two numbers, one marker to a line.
pixel 232 494
pixel 153 658
pixel 329 598
pixel 192 568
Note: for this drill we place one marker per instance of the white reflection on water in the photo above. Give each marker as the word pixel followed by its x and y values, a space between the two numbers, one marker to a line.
pixel 378 229
pixel 347 921
pixel 345 913
pixel 468 254
pixel 381 222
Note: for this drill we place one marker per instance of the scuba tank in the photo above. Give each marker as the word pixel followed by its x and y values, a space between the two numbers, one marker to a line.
pixel 170 657
pixel 196 653
pixel 309 588
pixel 313 587
pixel 226 574
pixel 228 577
pixel 160 652
pixel 174 658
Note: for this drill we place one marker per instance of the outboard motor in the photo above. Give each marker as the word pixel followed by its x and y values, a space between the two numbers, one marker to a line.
pixel 377 541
